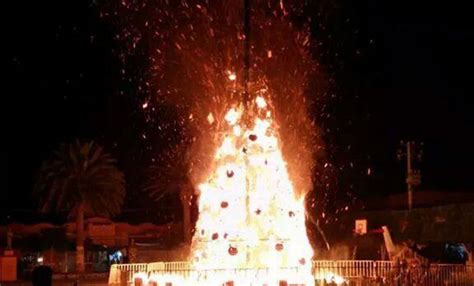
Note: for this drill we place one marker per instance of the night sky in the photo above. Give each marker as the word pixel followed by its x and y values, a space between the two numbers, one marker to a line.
pixel 403 71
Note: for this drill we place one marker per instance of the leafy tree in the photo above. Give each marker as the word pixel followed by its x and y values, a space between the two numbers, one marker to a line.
pixel 80 177
pixel 169 176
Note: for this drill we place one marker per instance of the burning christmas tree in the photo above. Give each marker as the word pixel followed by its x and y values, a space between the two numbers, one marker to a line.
pixel 249 214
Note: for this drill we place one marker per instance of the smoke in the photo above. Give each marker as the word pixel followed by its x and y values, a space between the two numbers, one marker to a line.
pixel 193 50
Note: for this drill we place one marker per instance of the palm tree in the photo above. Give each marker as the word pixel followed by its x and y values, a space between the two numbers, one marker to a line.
pixel 170 175
pixel 80 176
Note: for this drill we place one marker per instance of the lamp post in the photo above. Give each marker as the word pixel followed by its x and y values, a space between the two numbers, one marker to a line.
pixel 411 151
pixel 246 78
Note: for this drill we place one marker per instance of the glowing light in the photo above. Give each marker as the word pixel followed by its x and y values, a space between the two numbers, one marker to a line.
pixel 232 116
pixel 270 277
pixel 231 75
pixel 330 277
pixel 210 118
pixel 261 103
pixel 237 130
pixel 145 105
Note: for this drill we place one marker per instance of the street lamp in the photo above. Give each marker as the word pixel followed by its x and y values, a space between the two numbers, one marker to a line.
pixel 412 151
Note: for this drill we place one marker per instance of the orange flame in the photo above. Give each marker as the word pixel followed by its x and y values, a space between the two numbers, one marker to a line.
pixel 251 227
pixel 249 215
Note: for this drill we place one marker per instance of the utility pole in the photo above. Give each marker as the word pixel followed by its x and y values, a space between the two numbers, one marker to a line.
pixel 247 19
pixel 246 102
pixel 411 150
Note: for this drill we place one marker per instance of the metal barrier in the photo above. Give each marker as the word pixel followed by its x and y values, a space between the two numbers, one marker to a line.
pixel 363 271
pixel 391 273
pixel 122 274
pixel 352 268
pixel 176 266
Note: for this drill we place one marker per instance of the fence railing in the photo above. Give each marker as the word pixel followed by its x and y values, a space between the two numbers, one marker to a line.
pixel 364 271
pixel 177 266
pixel 391 273
pixel 352 268
pixel 121 274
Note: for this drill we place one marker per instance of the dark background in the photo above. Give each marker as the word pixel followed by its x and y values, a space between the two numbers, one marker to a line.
pixel 403 70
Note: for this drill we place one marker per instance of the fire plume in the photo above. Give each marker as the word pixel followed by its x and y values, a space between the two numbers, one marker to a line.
pixel 249 214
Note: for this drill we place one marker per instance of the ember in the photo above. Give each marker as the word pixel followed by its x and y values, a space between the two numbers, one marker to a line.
pixel 249 198
pixel 251 225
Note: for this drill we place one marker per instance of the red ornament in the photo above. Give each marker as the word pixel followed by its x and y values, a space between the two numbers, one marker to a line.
pixel 224 205
pixel 230 173
pixel 233 250
pixel 279 246
pixel 302 261
pixel 253 137
pixel 215 236
pixel 138 281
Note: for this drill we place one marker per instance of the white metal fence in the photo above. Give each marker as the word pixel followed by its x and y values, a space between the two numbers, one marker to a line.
pixel 391 273
pixel 352 268
pixel 364 272
pixel 122 274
